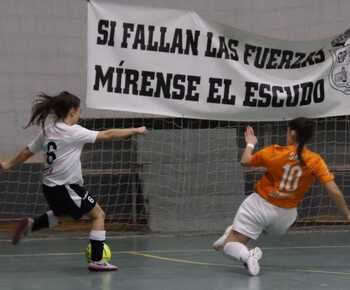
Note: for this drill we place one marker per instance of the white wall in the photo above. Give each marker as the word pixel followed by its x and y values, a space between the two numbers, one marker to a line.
pixel 42 43
pixel 41 49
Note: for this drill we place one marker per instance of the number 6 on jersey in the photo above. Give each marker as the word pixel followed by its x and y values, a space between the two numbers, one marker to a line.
pixel 50 154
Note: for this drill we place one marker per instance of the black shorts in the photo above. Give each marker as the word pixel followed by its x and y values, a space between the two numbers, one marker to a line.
pixel 73 200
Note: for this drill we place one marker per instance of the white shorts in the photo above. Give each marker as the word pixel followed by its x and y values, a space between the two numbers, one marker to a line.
pixel 256 215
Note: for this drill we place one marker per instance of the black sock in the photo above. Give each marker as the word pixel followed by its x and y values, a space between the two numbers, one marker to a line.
pixel 41 222
pixel 96 250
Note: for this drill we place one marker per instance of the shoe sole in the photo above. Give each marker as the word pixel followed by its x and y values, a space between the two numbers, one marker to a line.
pixel 102 270
pixel 253 267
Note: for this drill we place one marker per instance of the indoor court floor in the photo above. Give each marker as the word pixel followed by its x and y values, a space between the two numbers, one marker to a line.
pixel 297 261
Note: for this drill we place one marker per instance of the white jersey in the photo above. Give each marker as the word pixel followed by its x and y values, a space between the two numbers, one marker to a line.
pixel 62 145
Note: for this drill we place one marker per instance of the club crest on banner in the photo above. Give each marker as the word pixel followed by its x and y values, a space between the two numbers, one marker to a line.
pixel 340 73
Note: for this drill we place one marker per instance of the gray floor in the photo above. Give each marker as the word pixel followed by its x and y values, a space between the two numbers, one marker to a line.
pixel 297 261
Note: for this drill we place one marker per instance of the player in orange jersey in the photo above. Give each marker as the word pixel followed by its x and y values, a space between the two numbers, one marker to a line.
pixel 290 171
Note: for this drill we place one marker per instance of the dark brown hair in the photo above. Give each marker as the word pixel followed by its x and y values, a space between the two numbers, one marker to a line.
pixel 58 106
pixel 304 129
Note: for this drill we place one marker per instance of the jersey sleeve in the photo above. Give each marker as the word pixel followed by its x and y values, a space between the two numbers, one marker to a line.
pixel 37 144
pixel 321 171
pixel 82 135
pixel 259 158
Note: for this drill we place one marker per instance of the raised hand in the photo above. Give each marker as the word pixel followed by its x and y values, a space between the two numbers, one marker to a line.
pixel 249 136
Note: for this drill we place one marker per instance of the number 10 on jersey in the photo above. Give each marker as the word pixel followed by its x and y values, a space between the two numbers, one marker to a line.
pixel 290 178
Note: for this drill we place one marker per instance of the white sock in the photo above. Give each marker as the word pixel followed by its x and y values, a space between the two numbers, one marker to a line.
pixel 237 251
pixel 97 235
pixel 53 220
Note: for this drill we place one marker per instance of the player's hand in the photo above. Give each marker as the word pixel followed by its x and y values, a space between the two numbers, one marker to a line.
pixel 3 166
pixel 141 130
pixel 280 195
pixel 249 136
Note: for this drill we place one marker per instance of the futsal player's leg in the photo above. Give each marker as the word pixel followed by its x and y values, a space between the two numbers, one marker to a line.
pixel 236 248
pixel 219 244
pixel 27 225
pixel 97 238
pixel 248 224
pixel 53 196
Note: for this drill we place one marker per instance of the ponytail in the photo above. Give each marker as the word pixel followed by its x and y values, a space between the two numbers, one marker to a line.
pixel 304 130
pixel 41 109
pixel 300 151
pixel 58 106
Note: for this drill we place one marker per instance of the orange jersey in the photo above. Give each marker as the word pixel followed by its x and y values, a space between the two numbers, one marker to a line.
pixel 284 173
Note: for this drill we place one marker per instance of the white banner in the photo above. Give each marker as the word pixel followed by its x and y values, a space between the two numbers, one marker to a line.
pixel 175 63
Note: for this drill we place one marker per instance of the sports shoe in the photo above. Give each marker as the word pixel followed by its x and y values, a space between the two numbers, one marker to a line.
pixel 22 229
pixel 256 252
pixel 252 263
pixel 218 244
pixel 253 266
pixel 101 266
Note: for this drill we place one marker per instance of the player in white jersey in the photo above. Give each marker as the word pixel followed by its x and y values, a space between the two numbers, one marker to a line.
pixel 62 141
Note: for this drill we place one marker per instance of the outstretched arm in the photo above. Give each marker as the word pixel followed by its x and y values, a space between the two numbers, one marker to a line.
pixel 337 196
pixel 21 157
pixel 251 141
pixel 119 133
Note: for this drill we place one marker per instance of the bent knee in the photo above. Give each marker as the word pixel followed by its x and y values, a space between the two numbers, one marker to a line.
pixel 235 236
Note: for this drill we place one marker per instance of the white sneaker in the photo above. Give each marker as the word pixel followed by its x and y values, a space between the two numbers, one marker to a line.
pixel 253 266
pixel 218 244
pixel 256 252
pixel 252 263
pixel 101 267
